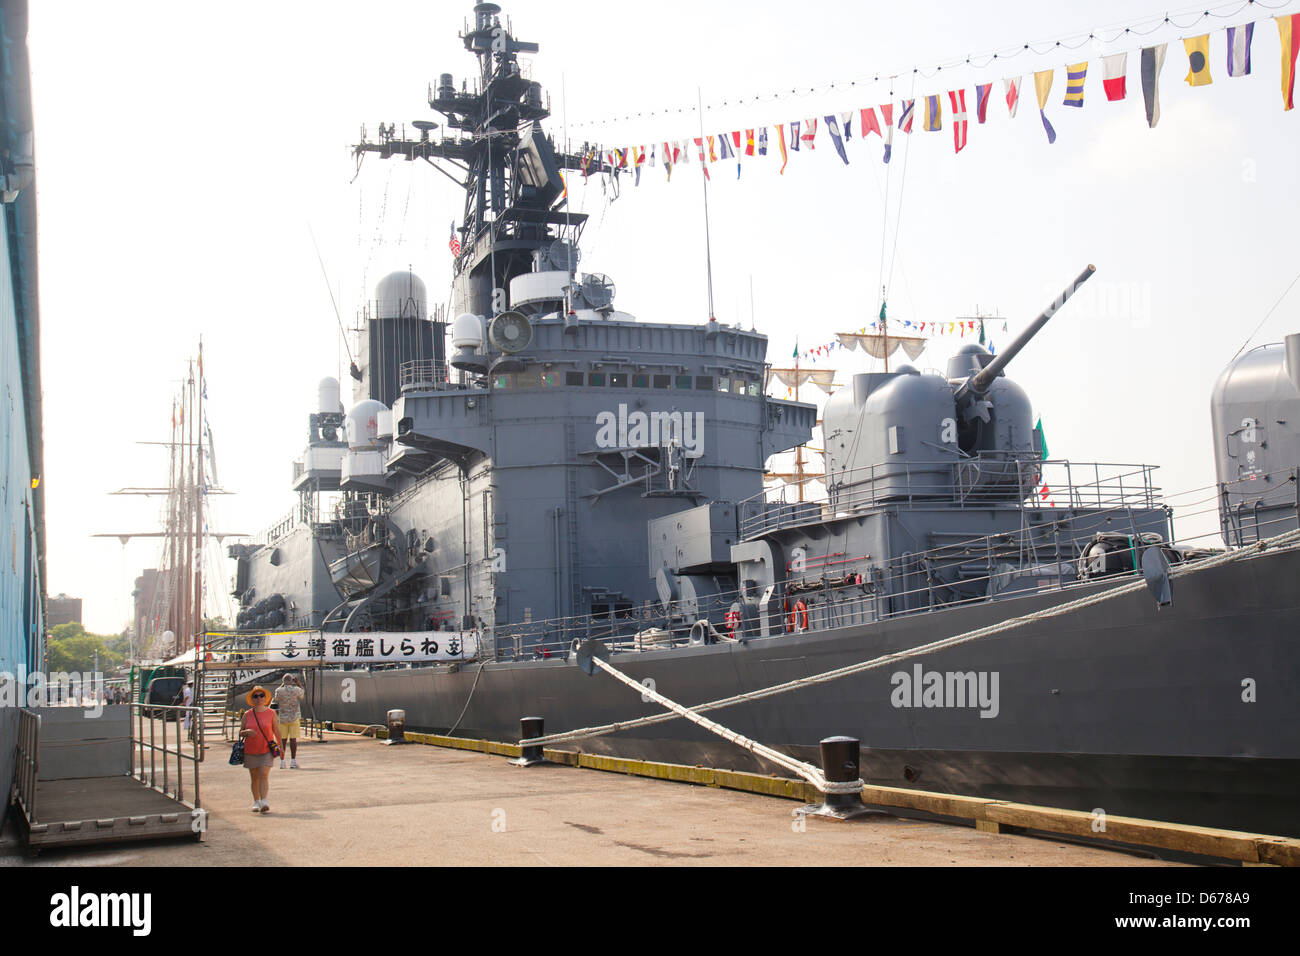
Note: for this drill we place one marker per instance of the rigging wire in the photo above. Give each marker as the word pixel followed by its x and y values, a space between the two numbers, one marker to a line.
pixel 1267 314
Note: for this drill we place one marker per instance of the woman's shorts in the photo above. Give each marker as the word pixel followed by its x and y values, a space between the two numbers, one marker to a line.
pixel 253 761
pixel 290 730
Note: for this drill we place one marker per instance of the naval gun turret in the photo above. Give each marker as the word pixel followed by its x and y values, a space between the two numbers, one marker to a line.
pixel 965 435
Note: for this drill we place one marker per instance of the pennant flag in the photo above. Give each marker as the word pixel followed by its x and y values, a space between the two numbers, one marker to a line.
pixel 682 154
pixel 957 98
pixel 735 139
pixel 810 133
pixel 762 141
pixel 1074 76
pixel 699 142
pixel 833 128
pixel 713 156
pixel 933 114
pixel 1239 49
pixel 652 154
pixel 1043 86
pixel 869 124
pixel 982 101
pixel 668 161
pixel 907 111
pixel 1198 60
pixel 1288 29
pixel 1153 61
pixel 887 113
pixel 749 142
pixel 846 121
pixel 1114 76
pixel 780 139
pixel 454 242
pixel 1012 88
pixel 724 148
pixel 794 135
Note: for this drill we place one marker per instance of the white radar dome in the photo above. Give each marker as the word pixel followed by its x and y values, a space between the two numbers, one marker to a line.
pixel 401 295
pixel 362 424
pixel 467 331
pixel 327 396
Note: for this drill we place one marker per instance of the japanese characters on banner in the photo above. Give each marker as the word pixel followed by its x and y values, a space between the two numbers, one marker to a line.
pixel 798 136
pixel 371 647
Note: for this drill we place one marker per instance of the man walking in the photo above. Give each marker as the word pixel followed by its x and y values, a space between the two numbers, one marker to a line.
pixel 288 704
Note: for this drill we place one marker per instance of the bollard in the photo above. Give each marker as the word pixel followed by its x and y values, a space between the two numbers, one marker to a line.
pixel 841 757
pixel 397 727
pixel 530 727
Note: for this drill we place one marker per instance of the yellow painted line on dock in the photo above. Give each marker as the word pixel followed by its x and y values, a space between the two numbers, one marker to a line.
pixel 991 816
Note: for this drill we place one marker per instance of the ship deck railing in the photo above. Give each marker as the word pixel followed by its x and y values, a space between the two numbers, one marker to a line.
pixel 425 376
pixel 839 590
pixel 980 482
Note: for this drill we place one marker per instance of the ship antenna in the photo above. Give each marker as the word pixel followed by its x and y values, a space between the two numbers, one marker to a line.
pixel 708 251
pixel 352 363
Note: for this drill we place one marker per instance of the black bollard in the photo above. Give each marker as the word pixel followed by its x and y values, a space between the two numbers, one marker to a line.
pixel 841 757
pixel 530 727
pixel 397 727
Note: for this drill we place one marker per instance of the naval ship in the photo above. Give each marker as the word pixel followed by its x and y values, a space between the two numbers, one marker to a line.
pixel 546 472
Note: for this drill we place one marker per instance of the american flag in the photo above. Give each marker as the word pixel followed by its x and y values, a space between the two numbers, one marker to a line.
pixel 454 243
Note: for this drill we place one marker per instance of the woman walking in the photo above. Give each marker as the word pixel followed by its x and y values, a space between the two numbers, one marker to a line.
pixel 262 744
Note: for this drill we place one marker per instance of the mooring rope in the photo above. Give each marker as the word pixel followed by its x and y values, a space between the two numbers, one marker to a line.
pixel 806 770
pixel 1288 539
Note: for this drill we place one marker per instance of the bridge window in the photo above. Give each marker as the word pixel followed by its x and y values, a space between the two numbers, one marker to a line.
pixel 663 381
pixel 704 382
pixel 641 380
pixel 683 381
pixel 503 381
pixel 618 379
pixel 573 378
pixel 596 378
pixel 550 380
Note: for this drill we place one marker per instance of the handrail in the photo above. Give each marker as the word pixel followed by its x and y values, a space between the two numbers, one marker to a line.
pixel 140 712
pixel 27 761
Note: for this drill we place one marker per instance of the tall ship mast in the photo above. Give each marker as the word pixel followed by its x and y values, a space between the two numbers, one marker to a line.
pixel 546 480
pixel 175 615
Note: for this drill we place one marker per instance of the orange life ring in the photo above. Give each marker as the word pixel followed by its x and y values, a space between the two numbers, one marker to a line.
pixel 798 618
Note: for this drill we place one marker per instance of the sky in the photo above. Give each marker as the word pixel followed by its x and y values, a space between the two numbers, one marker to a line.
pixel 192 158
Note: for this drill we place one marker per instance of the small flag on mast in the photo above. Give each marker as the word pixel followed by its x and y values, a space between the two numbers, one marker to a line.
pixel 454 242
pixel 982 91
pixel 1288 29
pixel 1153 61
pixel 1043 86
pixel 957 98
pixel 1012 87
pixel 1114 79
pixel 1239 49
pixel 1074 77
pixel 1198 60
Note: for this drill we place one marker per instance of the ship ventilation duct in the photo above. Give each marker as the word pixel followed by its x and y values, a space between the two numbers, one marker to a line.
pixel 1293 359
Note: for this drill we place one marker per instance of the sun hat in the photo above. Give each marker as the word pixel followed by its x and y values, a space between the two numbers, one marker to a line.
pixel 249 696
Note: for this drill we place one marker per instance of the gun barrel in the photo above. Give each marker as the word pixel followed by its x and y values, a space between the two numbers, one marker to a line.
pixel 981 381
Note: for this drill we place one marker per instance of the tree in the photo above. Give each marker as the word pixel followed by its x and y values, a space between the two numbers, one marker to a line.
pixel 70 648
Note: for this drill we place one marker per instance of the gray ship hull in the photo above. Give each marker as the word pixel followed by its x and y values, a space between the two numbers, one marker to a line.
pixel 1186 713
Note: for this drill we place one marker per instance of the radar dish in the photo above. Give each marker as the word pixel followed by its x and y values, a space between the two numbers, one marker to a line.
pixel 510 332
pixel 424 125
pixel 597 291
pixel 563 256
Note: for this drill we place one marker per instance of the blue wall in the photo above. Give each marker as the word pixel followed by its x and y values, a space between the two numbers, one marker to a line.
pixel 22 590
